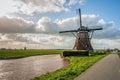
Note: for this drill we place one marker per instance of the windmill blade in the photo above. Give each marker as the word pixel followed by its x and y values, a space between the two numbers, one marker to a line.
pixel 94 29
pixel 68 31
pixel 79 10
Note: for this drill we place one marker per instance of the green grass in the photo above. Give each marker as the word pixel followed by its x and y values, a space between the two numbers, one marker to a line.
pixel 78 64
pixel 9 54
pixel 119 54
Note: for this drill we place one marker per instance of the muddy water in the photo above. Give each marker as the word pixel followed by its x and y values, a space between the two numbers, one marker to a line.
pixel 27 68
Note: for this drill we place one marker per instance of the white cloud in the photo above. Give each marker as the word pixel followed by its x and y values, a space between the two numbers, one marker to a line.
pixel 28 7
pixel 89 19
pixel 82 2
pixel 31 6
pixel 106 43
pixel 7 7
pixel 72 2
pixel 101 22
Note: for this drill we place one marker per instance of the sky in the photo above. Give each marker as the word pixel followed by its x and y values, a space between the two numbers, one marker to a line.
pixel 36 23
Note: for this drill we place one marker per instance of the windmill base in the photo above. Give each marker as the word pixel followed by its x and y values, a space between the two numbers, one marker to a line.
pixel 75 53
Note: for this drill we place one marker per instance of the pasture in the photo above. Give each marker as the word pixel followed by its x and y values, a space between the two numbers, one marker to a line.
pixel 10 54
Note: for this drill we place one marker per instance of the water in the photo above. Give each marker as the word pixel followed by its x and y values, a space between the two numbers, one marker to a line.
pixel 30 67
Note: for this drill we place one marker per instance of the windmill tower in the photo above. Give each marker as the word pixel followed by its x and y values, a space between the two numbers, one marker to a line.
pixel 83 36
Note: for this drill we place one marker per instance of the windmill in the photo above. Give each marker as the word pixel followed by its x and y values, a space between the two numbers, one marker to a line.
pixel 83 36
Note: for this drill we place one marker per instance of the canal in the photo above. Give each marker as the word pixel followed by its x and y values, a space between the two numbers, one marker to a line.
pixel 30 67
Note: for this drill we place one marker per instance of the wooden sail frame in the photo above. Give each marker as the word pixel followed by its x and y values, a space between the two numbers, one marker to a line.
pixel 83 38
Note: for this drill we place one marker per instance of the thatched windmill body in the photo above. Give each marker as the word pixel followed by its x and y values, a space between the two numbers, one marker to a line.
pixel 83 36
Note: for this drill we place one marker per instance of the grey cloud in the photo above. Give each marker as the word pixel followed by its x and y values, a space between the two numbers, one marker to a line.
pixel 18 37
pixel 5 41
pixel 46 25
pixel 57 38
pixel 28 38
pixel 16 25
pixel 109 31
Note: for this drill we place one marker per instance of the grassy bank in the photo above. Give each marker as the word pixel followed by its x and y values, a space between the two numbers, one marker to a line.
pixel 78 64
pixel 119 54
pixel 9 54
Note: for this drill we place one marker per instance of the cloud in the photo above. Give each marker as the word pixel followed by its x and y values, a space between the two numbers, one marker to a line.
pixel 18 37
pixel 41 6
pixel 90 19
pixel 82 2
pixel 106 43
pixel 109 31
pixel 108 37
pixel 30 7
pixel 72 2
pixel 18 40
pixel 16 25
pixel 46 32
pixel 37 41
pixel 46 25
pixel 7 7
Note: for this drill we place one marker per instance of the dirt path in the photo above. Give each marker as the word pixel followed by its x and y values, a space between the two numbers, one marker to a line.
pixel 106 69
pixel 27 68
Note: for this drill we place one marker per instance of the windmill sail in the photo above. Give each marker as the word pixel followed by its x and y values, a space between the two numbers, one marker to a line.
pixel 94 29
pixel 82 35
pixel 68 31
pixel 80 17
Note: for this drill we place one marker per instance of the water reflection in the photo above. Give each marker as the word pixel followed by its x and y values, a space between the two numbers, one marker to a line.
pixel 27 68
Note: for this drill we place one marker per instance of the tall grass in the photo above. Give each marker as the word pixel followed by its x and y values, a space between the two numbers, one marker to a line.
pixel 78 64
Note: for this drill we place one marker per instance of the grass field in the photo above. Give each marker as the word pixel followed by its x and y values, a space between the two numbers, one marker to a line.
pixel 9 54
pixel 78 64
